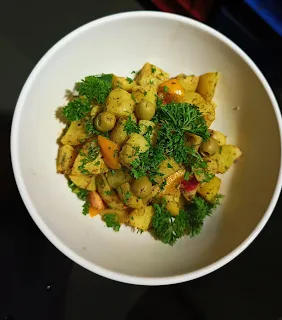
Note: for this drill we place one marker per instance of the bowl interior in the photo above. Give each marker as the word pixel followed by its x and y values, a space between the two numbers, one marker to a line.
pixel 121 44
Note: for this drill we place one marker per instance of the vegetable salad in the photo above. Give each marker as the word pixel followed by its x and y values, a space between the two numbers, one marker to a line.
pixel 138 150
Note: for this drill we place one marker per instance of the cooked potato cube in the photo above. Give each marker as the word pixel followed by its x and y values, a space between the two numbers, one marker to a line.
pixel 75 134
pixel 124 83
pixel 118 134
pixel 128 198
pixel 146 93
pixel 206 108
pixel 109 196
pixel 219 137
pixel 135 145
pixel 117 177
pixel 83 181
pixel 225 157
pixel 188 83
pixel 121 214
pixel 141 218
pixel 167 167
pixel 193 140
pixel 207 84
pixel 120 103
pixel 93 167
pixel 65 160
pixel 151 74
pixel 209 190
pixel 155 191
pixel 95 110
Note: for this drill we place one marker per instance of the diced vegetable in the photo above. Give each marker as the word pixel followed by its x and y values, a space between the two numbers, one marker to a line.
pixel 120 103
pixel 141 218
pixel 171 90
pixel 128 198
pixel 188 83
pixel 109 150
pixel 109 196
pixel 150 74
pixel 173 183
pixel 75 134
pixel 123 83
pixel 65 160
pixel 207 84
pixel 118 177
pixel 209 190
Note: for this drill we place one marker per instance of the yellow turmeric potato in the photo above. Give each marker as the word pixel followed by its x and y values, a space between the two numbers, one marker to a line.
pixel 123 83
pixel 135 145
pixel 193 140
pixel 121 214
pixel 219 137
pixel 118 134
pixel 150 74
pixel 207 84
pixel 149 198
pixel 209 190
pixel 109 196
pixel 120 103
pixel 75 134
pixel 83 181
pixel 141 218
pixel 65 160
pixel 173 183
pixel 146 93
pixel 167 167
pixel 188 83
pixel 206 108
pixel 117 177
pixel 128 198
pixel 225 157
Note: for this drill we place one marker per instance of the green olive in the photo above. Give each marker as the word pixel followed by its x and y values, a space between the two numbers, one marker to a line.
pixel 209 148
pixel 142 187
pixel 105 121
pixel 145 110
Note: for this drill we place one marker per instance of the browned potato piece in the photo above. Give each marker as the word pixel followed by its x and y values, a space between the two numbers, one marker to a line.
pixel 128 198
pixel 120 103
pixel 141 218
pixel 83 182
pixel 206 108
pixel 124 83
pixel 118 177
pixel 109 196
pixel 75 133
pixel 150 74
pixel 121 214
pixel 210 189
pixel 118 134
pixel 65 160
pixel 207 84
pixel 145 93
pixel 188 83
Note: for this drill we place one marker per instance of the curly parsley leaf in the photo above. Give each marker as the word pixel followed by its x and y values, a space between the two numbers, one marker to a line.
pixel 111 220
pixel 167 228
pixel 131 126
pixel 198 210
pixel 82 195
pixel 77 109
pixel 95 88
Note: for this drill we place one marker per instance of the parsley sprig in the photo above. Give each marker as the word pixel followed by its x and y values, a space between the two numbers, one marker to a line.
pixel 111 220
pixel 91 89
pixel 131 126
pixel 169 229
pixel 82 195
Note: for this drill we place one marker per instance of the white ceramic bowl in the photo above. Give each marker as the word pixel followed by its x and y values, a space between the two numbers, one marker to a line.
pixel 247 112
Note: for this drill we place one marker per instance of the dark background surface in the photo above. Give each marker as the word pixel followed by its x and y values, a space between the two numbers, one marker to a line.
pixel 39 282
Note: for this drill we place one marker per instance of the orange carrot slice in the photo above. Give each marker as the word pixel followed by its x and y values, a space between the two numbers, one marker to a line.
pixel 109 150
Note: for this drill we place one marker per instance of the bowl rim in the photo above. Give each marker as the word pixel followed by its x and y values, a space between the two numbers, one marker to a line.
pixel 130 279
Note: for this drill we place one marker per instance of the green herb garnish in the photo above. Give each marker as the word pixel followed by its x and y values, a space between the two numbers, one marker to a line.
pixel 165 88
pixel 95 88
pixel 153 69
pixel 111 220
pixel 129 80
pixel 77 109
pixel 131 126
